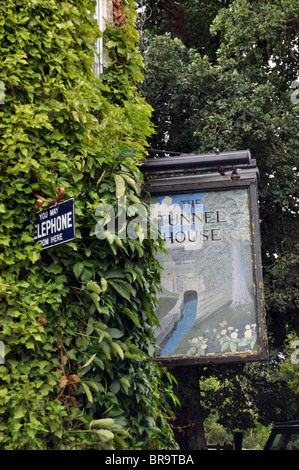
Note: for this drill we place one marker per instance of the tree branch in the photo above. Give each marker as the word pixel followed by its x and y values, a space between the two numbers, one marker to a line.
pixel 176 16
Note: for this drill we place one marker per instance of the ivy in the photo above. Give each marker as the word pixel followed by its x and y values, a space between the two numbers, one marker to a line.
pixel 76 320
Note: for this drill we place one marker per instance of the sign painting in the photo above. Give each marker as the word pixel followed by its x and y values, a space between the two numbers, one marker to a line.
pixel 208 306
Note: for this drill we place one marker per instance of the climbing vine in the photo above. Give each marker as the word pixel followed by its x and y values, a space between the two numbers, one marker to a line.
pixel 76 320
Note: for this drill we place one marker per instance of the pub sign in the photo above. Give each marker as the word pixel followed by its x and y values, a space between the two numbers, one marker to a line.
pixel 211 308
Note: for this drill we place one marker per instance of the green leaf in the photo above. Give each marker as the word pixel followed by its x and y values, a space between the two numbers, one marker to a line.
pixel 45 389
pixel 95 297
pixel 90 360
pixel 133 317
pixel 110 44
pixel 120 441
pixel 104 284
pixel 87 391
pixel 132 182
pixel 114 386
pixel 115 333
pixel 30 344
pixel 77 175
pixel 20 412
pixel 78 268
pixel 95 385
pixel 117 349
pixel 103 423
pixel 93 286
pixel 114 274
pixel 120 186
pixel 54 268
pixel 105 435
pixel 106 348
pixel 86 274
pixel 3 392
pixel 99 363
pixel 33 256
pixel 56 135
pixel 126 384
pixel 134 356
pixel 122 288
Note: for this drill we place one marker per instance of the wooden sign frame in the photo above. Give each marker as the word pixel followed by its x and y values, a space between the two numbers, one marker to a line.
pixel 212 301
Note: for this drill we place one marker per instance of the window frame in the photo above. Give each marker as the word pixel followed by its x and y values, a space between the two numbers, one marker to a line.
pixel 101 16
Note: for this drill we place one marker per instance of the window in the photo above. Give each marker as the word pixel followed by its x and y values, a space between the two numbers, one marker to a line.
pixel 287 441
pixel 101 17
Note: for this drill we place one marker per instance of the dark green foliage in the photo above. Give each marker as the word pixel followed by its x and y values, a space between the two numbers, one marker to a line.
pixel 241 100
pixel 76 320
pixel 232 87
pixel 198 16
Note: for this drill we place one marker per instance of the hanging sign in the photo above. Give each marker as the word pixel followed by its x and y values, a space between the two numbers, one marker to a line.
pixel 211 307
pixel 55 225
